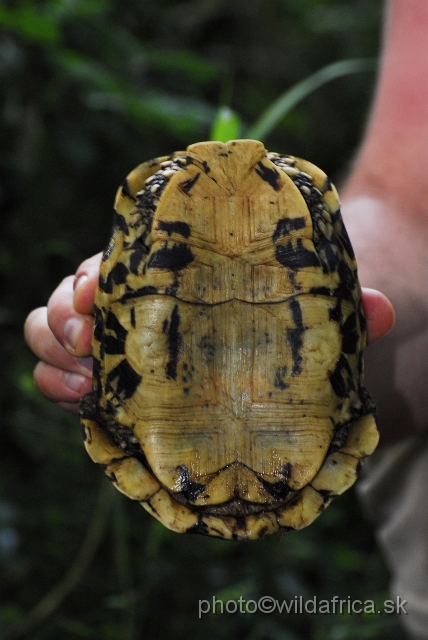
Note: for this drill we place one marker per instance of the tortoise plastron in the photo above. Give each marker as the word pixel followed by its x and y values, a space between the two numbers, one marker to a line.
pixel 228 392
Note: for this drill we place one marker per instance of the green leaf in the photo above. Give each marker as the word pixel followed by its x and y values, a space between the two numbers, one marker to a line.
pixel 282 105
pixel 227 125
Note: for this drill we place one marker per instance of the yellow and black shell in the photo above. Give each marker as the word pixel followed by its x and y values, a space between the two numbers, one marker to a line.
pixel 227 395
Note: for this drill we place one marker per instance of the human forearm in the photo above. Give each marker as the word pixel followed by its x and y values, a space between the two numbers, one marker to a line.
pixel 393 157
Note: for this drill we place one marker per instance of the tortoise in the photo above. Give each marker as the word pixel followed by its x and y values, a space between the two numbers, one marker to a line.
pixel 228 393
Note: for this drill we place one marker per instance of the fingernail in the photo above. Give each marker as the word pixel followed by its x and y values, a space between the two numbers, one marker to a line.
pixel 87 364
pixel 72 330
pixel 79 281
pixel 75 381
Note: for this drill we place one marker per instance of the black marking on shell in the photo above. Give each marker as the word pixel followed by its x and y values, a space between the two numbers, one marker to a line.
pixel 96 374
pixel 339 438
pixel 174 227
pixel 325 493
pixel 296 256
pixel 296 313
pixel 327 185
pixel 285 225
pixel 337 217
pixel 116 276
pixel 207 347
pixel 132 314
pixel 361 317
pixel 313 199
pixel 278 490
pixel 120 223
pixel 127 380
pixel 323 233
pixel 361 365
pixel 294 336
pixel 335 313
pixel 98 325
pixel 172 290
pixel 350 335
pixel 330 259
pixel 354 411
pixel 341 378
pixel 114 345
pixel 286 470
pixel 125 189
pixel 187 185
pixel 310 194
pixel 241 524
pixel 348 282
pixel 138 293
pixel 189 489
pixel 367 402
pixel 139 252
pixel 174 342
pixel 151 507
pixel 343 235
pixel 321 291
pixel 279 382
pixel 201 528
pixel 269 175
pixel 174 258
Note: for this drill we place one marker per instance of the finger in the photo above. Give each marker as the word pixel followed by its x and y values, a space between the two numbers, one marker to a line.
pixel 44 344
pixel 72 330
pixel 380 314
pixel 61 386
pixel 85 284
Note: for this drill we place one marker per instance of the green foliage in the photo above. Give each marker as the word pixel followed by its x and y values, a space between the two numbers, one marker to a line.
pixel 91 88
pixel 227 125
pixel 32 24
pixel 288 100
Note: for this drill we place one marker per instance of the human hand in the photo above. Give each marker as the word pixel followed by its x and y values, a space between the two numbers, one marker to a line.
pixel 61 334
pixel 390 241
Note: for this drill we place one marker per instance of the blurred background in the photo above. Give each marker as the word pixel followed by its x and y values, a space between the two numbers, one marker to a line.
pixel 89 89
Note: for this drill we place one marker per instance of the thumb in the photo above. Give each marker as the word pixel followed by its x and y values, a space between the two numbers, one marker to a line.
pixel 85 285
pixel 380 314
